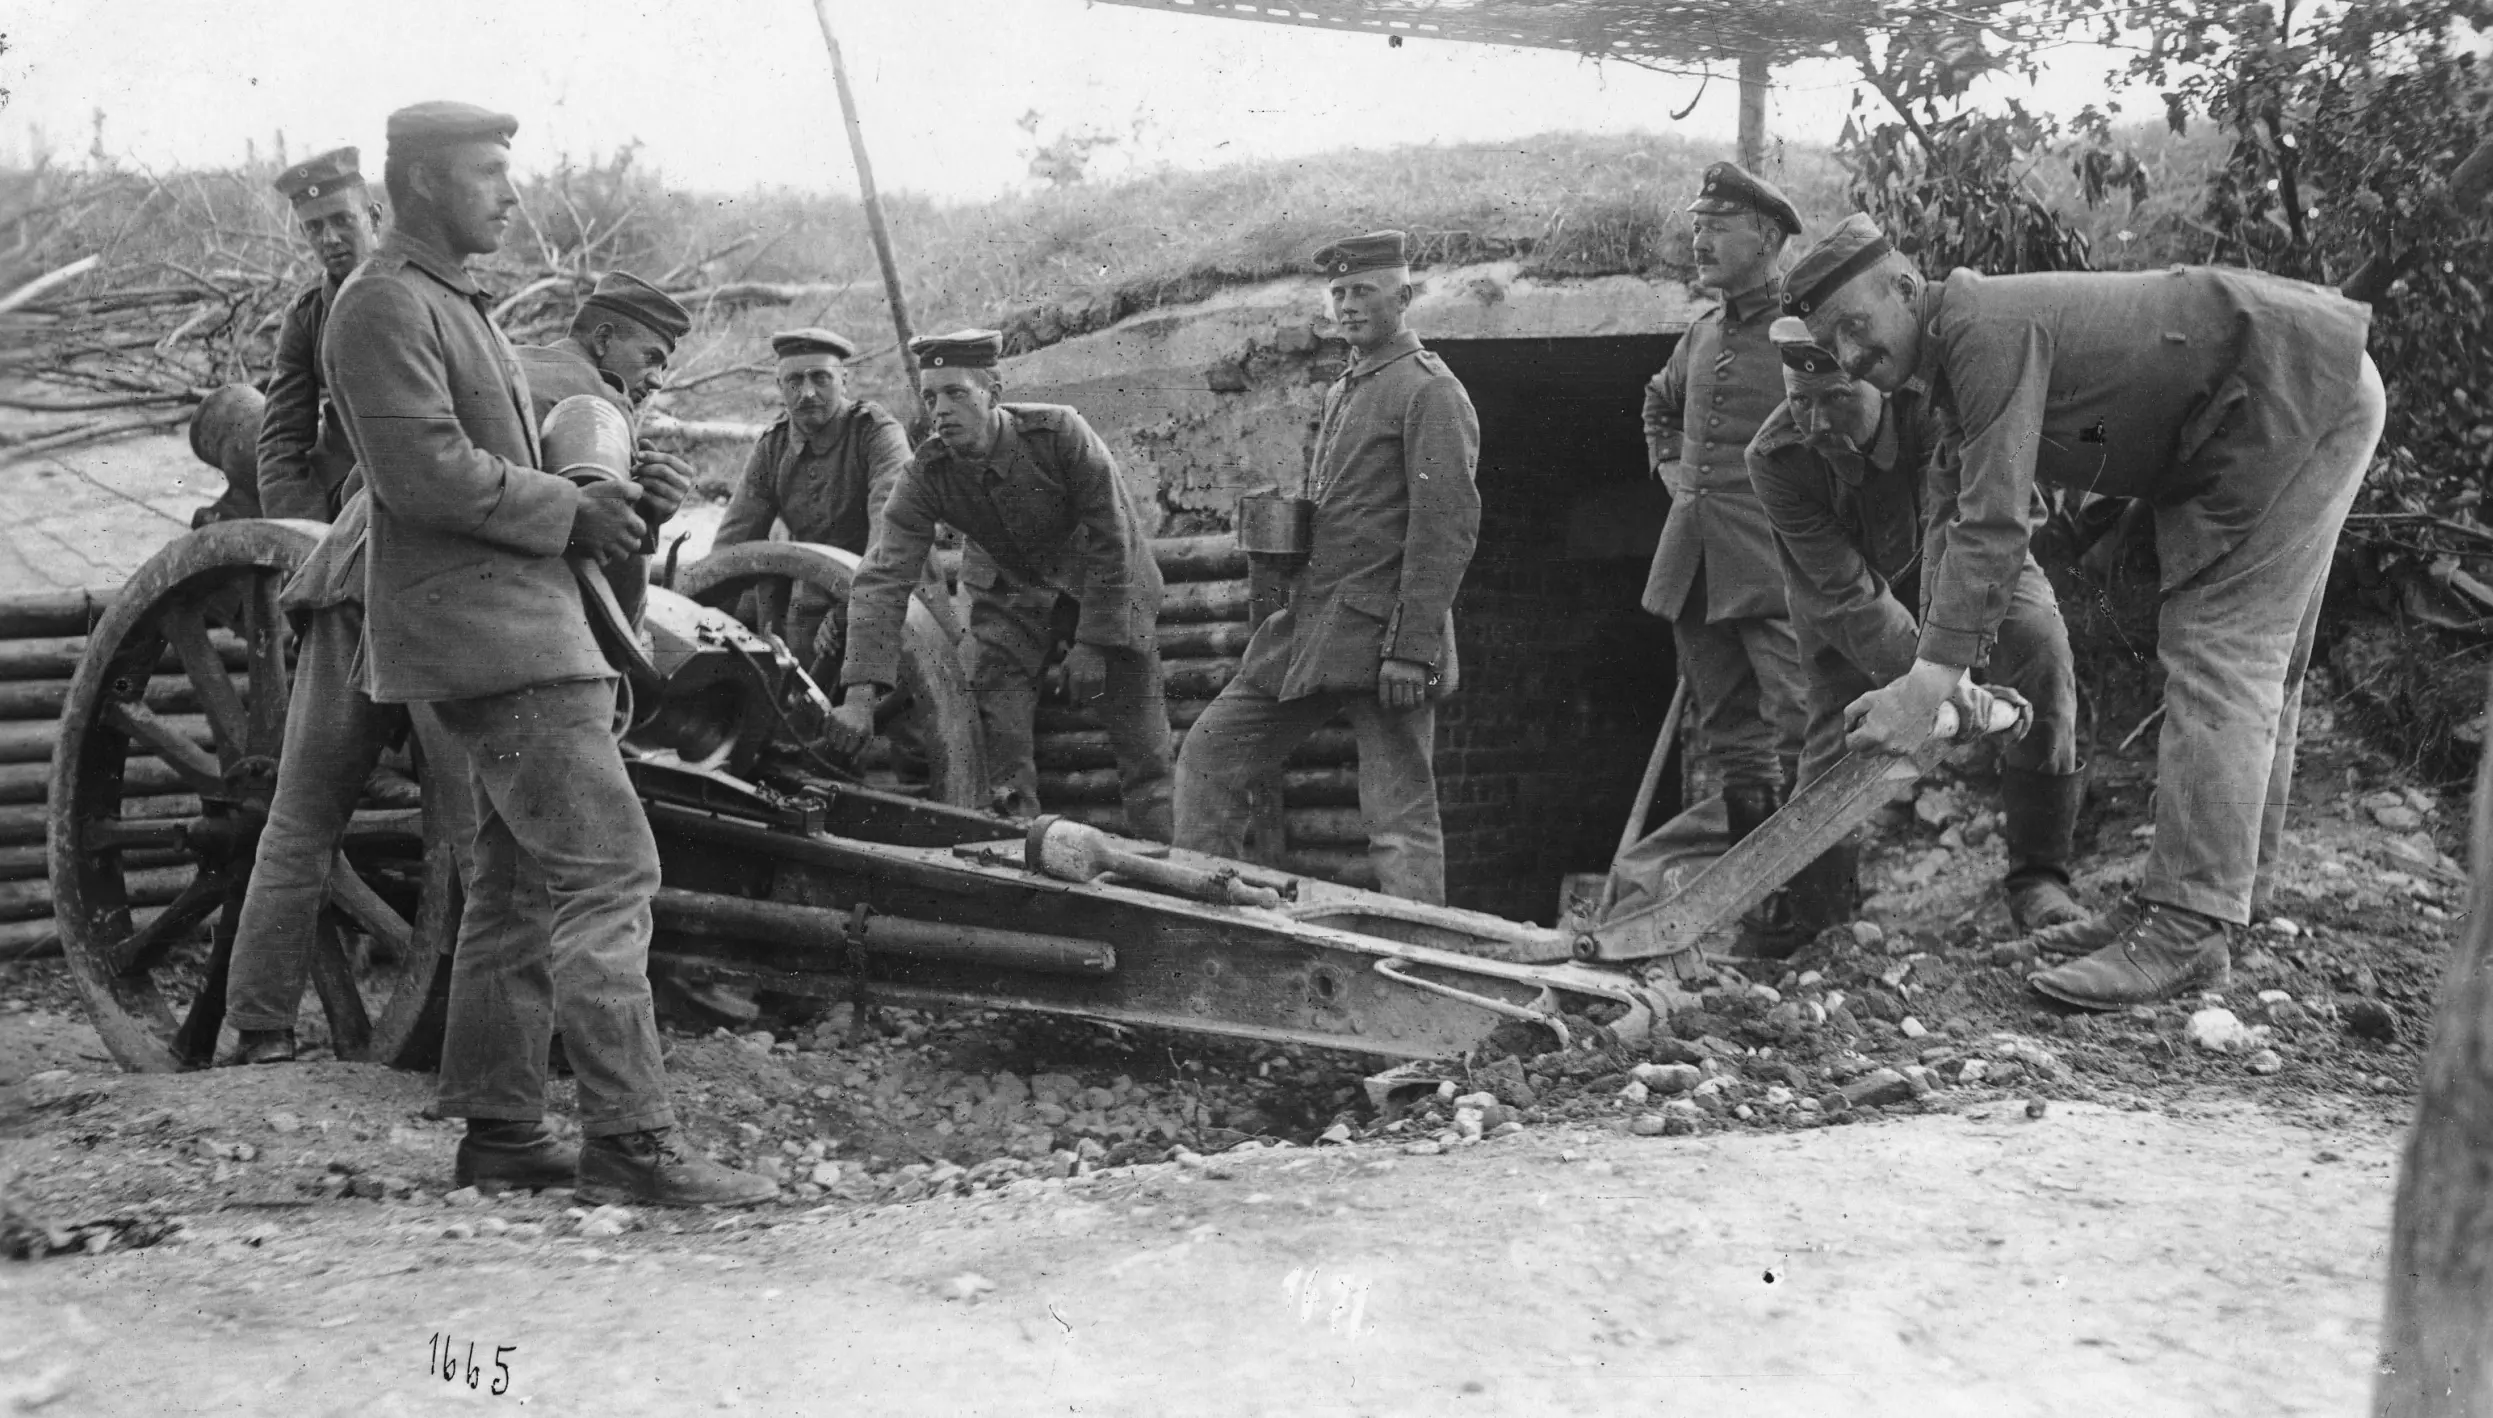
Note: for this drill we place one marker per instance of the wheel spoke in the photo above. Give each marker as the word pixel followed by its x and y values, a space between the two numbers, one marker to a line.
pixel 113 834
pixel 187 633
pixel 188 760
pixel 195 1042
pixel 350 1024
pixel 148 944
pixel 264 634
pixel 350 893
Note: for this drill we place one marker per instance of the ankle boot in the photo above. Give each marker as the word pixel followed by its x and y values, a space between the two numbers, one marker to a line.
pixel 657 1169
pixel 1767 931
pixel 2039 813
pixel 1827 892
pixel 497 1152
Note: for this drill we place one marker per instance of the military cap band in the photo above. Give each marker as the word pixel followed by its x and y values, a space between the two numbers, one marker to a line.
pixel 1802 355
pixel 1376 251
pixel 962 349
pixel 623 294
pixel 425 126
pixel 1800 302
pixel 333 171
pixel 812 340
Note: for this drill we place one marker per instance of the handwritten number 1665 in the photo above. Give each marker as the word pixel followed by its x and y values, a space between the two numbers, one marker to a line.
pixel 451 1365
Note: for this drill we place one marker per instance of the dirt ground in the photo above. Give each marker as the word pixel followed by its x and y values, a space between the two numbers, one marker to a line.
pixel 1882 1177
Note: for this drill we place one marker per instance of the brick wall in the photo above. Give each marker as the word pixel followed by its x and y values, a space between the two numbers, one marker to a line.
pixel 1565 681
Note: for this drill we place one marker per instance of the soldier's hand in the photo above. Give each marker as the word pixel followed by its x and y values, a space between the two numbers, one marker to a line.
pixel 1901 717
pixel 1086 673
pixel 605 528
pixel 666 482
pixel 852 723
pixel 1402 685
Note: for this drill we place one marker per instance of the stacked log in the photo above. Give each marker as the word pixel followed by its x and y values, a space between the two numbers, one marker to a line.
pixel 1203 629
pixel 42 638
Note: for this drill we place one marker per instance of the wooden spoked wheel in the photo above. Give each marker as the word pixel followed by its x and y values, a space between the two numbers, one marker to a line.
pixel 767 584
pixel 167 760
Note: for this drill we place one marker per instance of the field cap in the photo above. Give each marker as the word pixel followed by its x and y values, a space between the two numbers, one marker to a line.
pixel 812 340
pixel 1729 188
pixel 1376 251
pixel 1806 363
pixel 626 295
pixel 1853 247
pixel 315 177
pixel 962 349
pixel 441 122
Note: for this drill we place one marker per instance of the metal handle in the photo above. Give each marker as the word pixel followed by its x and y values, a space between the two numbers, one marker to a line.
pixel 1546 1012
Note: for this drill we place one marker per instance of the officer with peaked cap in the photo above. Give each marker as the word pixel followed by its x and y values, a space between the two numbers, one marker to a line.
pixel 1059 557
pixel 1715 576
pixel 1839 467
pixel 825 468
pixel 303 457
pixel 1368 628
pixel 2243 409
pixel 474 614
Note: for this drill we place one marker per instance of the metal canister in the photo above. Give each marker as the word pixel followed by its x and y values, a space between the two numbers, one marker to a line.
pixel 587 439
pixel 1274 524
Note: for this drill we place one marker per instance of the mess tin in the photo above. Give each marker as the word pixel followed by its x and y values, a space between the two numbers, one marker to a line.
pixel 1274 524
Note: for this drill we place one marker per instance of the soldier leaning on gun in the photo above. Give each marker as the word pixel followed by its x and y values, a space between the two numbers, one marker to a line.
pixel 1057 557
pixel 2243 408
pixel 475 612
pixel 1839 468
pixel 825 467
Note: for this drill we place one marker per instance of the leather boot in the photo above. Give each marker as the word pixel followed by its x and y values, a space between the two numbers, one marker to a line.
pixel 1827 892
pixel 2039 813
pixel 261 1046
pixel 513 1154
pixel 2155 952
pixel 656 1169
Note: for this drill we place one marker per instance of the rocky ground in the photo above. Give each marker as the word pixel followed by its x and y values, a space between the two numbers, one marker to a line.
pixel 974 1129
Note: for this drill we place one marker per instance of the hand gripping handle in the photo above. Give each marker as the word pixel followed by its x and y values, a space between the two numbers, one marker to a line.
pixel 1995 709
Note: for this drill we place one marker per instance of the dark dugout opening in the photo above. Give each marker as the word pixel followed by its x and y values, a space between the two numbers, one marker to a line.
pixel 1565 680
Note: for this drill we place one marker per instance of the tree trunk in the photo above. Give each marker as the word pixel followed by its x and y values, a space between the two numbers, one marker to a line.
pixel 1754 81
pixel 2436 1355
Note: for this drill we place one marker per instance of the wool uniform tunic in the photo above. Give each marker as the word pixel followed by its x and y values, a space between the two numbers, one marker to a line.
pixel 1715 572
pixel 304 455
pixel 1057 555
pixel 829 488
pixel 1397 517
pixel 2243 408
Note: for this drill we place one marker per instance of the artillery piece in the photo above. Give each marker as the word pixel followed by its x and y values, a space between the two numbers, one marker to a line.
pixel 782 870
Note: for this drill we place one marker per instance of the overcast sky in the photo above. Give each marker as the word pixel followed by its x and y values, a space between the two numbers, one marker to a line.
pixel 729 94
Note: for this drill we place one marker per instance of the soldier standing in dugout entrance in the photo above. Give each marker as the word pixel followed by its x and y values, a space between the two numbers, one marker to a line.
pixel 474 612
pixel 1715 575
pixel 1840 467
pixel 304 455
pixel 825 467
pixel 2243 408
pixel 1368 629
pixel 1057 557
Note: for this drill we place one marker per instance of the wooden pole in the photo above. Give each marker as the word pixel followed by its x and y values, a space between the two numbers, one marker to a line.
pixel 1754 81
pixel 875 227
pixel 2436 1348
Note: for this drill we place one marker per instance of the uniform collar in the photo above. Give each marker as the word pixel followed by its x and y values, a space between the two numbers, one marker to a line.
pixel 1740 309
pixel 432 260
pixel 1927 310
pixel 1399 347
pixel 823 442
pixel 999 456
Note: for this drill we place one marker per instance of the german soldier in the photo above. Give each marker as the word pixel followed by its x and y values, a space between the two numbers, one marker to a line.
pixel 1368 629
pixel 304 455
pixel 474 612
pixel 825 468
pixel 1715 576
pixel 1057 557
pixel 1839 470
pixel 2243 408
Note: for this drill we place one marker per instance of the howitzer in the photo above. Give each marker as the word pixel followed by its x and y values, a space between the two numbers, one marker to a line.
pixel 783 869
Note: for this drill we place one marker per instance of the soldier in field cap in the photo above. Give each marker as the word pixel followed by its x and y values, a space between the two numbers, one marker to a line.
pixel 1715 575
pixel 1059 558
pixel 824 468
pixel 2243 409
pixel 303 457
pixel 1839 467
pixel 474 615
pixel 1368 629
